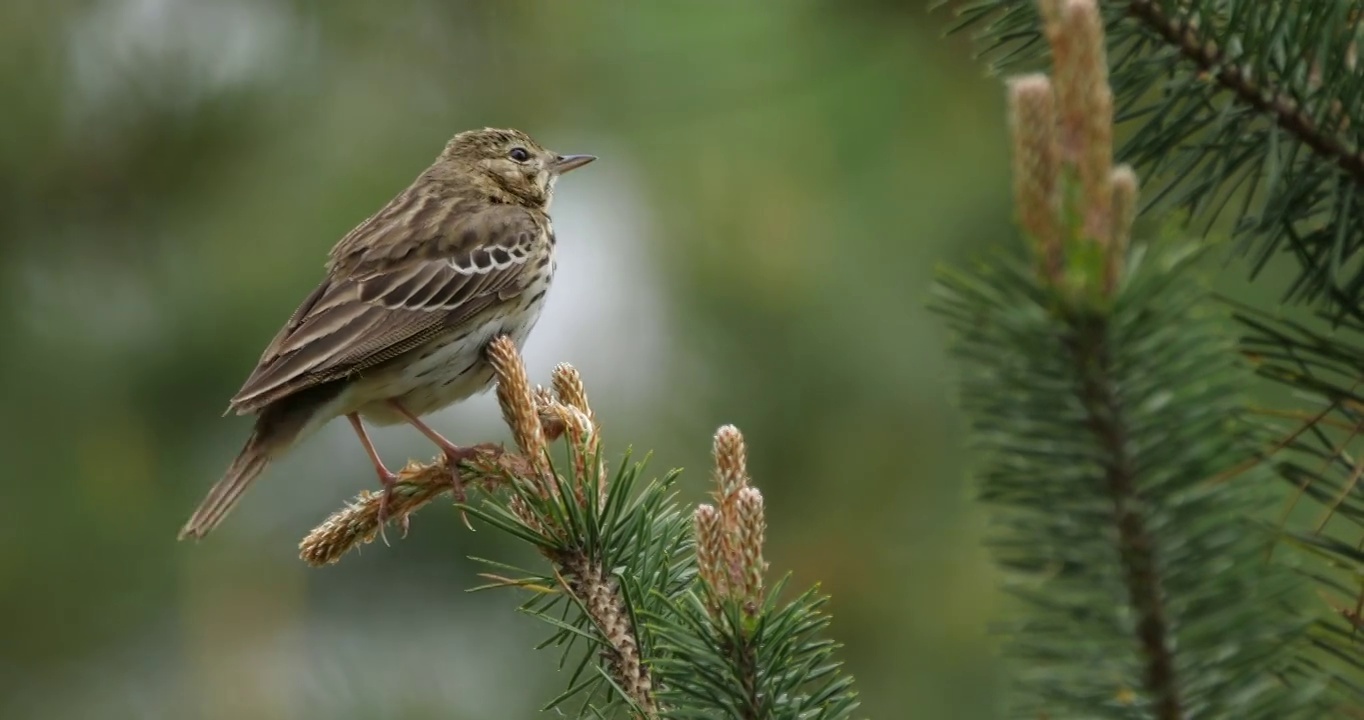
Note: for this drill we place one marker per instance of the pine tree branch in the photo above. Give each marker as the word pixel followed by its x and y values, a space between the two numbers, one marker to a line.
pixel 1106 417
pixel 1103 394
pixel 669 632
pixel 1319 456
pixel 1251 102
pixel 1208 57
pixel 579 569
pixel 1258 100
pixel 358 522
pixel 594 590
pixel 729 538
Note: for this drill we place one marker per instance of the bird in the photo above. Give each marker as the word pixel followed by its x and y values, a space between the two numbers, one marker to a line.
pixel 409 300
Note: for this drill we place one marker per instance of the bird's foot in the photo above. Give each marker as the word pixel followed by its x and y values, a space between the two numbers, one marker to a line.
pixel 389 480
pixel 454 455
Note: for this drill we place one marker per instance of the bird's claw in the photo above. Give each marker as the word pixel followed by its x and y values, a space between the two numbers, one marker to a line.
pixel 389 480
pixel 458 490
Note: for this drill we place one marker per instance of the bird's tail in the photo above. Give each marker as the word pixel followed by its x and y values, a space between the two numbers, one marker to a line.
pixel 276 430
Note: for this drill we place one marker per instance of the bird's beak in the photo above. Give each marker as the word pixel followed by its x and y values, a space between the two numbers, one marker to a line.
pixel 564 163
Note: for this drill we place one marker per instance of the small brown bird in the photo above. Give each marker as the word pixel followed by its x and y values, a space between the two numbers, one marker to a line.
pixel 411 298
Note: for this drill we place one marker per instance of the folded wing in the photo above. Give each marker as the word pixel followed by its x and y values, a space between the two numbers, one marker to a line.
pixel 375 307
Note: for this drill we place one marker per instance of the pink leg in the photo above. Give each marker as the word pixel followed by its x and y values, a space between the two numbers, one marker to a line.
pixel 386 476
pixel 454 454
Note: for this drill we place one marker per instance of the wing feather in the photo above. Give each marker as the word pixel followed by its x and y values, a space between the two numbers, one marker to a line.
pixel 372 310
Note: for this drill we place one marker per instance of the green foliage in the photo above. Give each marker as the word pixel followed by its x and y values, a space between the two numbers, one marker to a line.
pixel 1102 437
pixel 766 662
pixel 638 612
pixel 658 613
pixel 1243 111
pixel 711 658
pixel 1319 455
pixel 1243 106
pixel 639 533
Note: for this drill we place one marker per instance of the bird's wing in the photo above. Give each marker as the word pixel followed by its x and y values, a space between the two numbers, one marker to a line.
pixel 377 308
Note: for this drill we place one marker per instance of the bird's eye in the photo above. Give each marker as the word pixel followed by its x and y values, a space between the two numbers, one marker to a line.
pixel 519 154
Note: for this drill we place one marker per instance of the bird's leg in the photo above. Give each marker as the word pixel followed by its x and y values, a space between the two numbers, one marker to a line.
pixel 386 477
pixel 454 455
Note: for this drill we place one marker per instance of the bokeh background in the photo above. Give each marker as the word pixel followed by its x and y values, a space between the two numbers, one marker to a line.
pixel 777 183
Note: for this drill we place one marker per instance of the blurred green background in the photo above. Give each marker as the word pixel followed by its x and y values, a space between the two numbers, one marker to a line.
pixel 777 182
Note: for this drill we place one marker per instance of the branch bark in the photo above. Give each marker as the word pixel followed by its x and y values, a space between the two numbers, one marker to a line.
pixel 1105 416
pixel 1286 111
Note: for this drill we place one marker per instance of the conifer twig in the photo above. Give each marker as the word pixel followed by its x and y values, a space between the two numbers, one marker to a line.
pixel 1104 398
pixel 1288 113
pixel 418 484
pixel 1103 205
pixel 671 632
pixel 579 574
pixel 729 548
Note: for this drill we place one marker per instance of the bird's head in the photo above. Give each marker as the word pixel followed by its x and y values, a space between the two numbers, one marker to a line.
pixel 507 164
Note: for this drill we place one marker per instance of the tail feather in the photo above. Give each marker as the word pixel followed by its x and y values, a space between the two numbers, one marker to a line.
pixel 250 463
pixel 279 426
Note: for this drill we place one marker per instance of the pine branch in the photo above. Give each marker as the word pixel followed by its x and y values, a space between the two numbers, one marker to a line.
pixel 1106 416
pixel 1204 53
pixel 1244 101
pixel 581 568
pixel 665 623
pixel 1318 451
pixel 1103 392
pixel 1254 101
